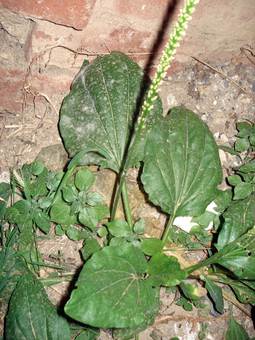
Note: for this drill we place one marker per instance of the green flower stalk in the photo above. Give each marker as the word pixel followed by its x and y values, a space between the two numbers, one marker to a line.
pixel 141 127
pixel 167 57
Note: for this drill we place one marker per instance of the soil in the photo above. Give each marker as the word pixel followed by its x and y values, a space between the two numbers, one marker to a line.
pixel 219 101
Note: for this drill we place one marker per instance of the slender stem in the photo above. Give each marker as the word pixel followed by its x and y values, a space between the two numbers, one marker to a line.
pixel 169 225
pixel 211 260
pixel 141 126
pixel 117 196
pixel 126 204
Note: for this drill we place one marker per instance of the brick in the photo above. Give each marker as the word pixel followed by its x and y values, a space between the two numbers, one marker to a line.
pixel 73 13
pixel 143 9
pixel 11 90
pixel 128 39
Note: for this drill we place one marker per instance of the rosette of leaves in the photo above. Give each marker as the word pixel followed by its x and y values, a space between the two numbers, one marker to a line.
pixel 79 205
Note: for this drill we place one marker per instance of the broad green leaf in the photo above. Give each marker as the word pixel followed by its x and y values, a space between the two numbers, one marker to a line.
pixel 242 144
pixel 165 270
pixel 61 213
pixel 236 331
pixel 90 247
pixel 42 220
pixel 31 315
pixel 215 293
pixel 98 112
pixel 102 232
pixel 234 179
pixel 94 198
pixel 91 216
pixel 37 168
pixel 190 290
pixel 12 267
pixel 19 212
pixel 139 226
pixel 119 228
pixel 248 167
pixel 5 191
pixel 59 230
pixel 239 256
pixel 181 167
pixel 238 219
pixel 112 291
pixel 244 128
pixel 69 193
pixel 151 246
pixel 84 179
pixel 242 190
pixel 75 234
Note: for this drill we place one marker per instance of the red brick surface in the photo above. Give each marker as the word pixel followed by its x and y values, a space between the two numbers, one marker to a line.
pixel 143 9
pixel 74 13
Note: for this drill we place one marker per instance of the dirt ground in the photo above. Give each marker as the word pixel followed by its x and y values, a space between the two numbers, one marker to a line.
pixel 221 95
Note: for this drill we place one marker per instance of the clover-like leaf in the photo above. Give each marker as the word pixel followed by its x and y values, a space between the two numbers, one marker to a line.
pixel 181 167
pixel 112 291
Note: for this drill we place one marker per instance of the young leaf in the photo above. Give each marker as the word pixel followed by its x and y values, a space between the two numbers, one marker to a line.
pixel 98 112
pixel 31 315
pixel 190 290
pixel 91 216
pixel 244 128
pixel 119 228
pixel 75 234
pixel 84 179
pixel 242 190
pixel 234 179
pixel 151 246
pixel 181 160
pixel 42 220
pixel 236 331
pixel 165 270
pixel 90 247
pixel 139 227
pixel 94 198
pixel 69 193
pixel 215 293
pixel 61 213
pixel 111 290
pixel 248 167
pixel 238 219
pixel 242 144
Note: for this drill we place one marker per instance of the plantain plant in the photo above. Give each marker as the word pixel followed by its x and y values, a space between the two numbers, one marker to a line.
pixel 102 123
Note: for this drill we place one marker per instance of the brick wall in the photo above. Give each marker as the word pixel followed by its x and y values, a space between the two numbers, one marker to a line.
pixel 39 38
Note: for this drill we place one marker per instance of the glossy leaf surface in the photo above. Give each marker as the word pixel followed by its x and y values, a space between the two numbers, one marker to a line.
pixel 182 167
pixel 111 290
